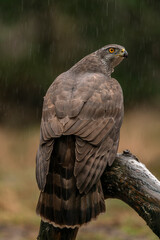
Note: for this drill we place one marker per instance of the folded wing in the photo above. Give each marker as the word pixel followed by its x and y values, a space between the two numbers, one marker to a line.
pixel 91 108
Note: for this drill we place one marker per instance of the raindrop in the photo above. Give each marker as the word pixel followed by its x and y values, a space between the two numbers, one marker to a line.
pixel 22 5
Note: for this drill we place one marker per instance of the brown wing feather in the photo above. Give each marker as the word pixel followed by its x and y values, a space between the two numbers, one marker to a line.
pixel 89 107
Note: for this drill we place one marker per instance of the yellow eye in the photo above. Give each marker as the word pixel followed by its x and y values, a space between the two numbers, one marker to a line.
pixel 111 50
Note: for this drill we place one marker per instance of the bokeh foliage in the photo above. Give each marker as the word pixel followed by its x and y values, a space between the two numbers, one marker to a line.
pixel 41 39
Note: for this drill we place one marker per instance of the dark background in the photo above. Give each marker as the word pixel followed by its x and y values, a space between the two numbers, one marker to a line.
pixel 41 39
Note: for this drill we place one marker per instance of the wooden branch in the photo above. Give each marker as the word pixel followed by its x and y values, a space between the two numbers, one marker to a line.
pixel 129 180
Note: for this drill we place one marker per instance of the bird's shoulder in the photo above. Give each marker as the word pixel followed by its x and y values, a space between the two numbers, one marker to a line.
pixel 70 92
pixel 68 86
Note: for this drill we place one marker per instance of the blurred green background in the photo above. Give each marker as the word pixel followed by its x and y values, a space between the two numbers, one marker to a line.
pixel 38 41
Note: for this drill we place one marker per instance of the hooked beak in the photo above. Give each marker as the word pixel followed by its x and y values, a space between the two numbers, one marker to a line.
pixel 123 53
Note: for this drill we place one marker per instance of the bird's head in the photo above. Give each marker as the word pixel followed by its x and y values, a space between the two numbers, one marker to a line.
pixel 111 55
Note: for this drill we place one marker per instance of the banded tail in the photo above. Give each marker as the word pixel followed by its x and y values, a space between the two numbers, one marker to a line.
pixel 60 203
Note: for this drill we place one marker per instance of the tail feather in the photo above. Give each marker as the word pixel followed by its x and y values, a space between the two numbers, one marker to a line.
pixel 60 203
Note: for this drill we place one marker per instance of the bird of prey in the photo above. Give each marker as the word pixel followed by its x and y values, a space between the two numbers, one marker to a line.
pixel 79 136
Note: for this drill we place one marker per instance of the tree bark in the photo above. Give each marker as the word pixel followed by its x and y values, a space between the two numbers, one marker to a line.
pixel 129 180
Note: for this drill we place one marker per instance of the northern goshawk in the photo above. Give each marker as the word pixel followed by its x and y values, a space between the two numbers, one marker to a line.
pixel 81 119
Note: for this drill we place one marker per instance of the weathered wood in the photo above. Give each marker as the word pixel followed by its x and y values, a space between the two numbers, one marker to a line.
pixel 129 180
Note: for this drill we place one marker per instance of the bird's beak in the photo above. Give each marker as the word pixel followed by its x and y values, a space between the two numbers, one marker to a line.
pixel 123 53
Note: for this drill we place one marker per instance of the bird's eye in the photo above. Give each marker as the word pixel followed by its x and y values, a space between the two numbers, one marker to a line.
pixel 111 50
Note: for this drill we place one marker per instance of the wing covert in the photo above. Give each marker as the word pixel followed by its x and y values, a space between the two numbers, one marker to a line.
pixel 91 117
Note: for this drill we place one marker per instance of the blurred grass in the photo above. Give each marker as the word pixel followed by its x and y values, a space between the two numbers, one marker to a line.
pixel 19 193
